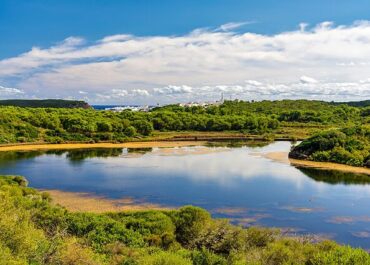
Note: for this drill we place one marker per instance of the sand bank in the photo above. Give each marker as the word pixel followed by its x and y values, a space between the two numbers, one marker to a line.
pixel 283 157
pixel 29 147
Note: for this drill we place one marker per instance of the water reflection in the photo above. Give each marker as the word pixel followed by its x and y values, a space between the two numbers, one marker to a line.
pixel 12 157
pixel 238 143
pixel 82 154
pixel 142 150
pixel 334 176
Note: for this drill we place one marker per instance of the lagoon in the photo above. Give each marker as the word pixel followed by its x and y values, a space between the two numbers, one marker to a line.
pixel 232 180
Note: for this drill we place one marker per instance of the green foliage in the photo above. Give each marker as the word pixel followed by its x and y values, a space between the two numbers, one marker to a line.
pixel 143 127
pixel 56 125
pixel 190 221
pixel 341 255
pixel 350 145
pixel 130 131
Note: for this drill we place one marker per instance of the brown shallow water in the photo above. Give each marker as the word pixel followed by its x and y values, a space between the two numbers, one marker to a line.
pixel 86 202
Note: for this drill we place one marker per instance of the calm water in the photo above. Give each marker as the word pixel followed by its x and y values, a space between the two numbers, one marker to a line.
pixel 234 181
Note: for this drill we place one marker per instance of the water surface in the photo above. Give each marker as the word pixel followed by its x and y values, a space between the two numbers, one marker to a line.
pixel 233 181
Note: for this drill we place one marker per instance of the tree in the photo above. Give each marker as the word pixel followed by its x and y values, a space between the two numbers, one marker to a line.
pixel 130 131
pixel 143 127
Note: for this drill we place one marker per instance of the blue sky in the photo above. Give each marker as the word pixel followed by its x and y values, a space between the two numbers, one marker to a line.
pixel 25 23
pixel 47 24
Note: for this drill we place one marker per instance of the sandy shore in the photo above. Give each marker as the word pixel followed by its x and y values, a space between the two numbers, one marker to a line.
pixel 84 202
pixel 99 145
pixel 283 157
pixel 333 166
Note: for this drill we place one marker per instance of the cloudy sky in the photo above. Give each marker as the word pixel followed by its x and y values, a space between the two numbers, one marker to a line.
pixel 148 52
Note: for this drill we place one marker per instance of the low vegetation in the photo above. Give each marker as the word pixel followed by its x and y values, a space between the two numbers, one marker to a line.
pixel 350 146
pixel 34 231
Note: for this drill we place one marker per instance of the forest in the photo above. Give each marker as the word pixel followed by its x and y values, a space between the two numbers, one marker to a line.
pixel 35 231
pixel 56 125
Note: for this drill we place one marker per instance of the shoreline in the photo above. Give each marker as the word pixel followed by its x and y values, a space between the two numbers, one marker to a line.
pixel 143 144
pixel 282 157
pixel 330 166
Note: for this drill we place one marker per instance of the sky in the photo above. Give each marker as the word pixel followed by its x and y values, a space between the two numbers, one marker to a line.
pixel 149 52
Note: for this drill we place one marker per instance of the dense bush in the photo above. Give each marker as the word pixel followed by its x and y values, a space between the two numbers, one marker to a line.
pixel 349 146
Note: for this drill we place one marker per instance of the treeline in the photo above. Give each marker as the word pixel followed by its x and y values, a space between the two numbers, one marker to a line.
pixel 350 146
pixel 299 111
pixel 58 125
pixel 63 124
pixel 45 103
pixel 362 103
pixel 34 231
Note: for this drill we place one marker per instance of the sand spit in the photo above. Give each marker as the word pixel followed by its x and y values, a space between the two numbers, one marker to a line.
pixel 98 145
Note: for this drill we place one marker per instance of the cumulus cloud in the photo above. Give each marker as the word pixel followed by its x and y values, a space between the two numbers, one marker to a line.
pixel 140 92
pixel 10 91
pixel 169 90
pixel 119 95
pixel 251 89
pixel 306 62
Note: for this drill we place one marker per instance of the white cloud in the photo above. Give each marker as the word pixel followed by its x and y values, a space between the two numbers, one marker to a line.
pixel 167 67
pixel 253 82
pixel 119 93
pixel 10 91
pixel 303 26
pixel 233 25
pixel 140 92
pixel 251 90
pixel 307 80
pixel 168 90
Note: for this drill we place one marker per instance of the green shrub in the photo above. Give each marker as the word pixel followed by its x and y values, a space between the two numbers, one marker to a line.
pixel 341 255
pixel 190 222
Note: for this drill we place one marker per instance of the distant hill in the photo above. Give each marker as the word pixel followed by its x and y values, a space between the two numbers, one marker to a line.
pixel 45 103
pixel 363 103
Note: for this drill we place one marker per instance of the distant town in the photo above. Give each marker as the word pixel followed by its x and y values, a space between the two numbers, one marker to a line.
pixel 146 108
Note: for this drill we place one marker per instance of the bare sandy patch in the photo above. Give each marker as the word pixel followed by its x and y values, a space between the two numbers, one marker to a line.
pixel 85 202
pixel 277 156
pixel 332 166
pixel 348 219
pixel 231 210
pixel 27 147
pixel 249 220
pixel 301 209
pixel 361 234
